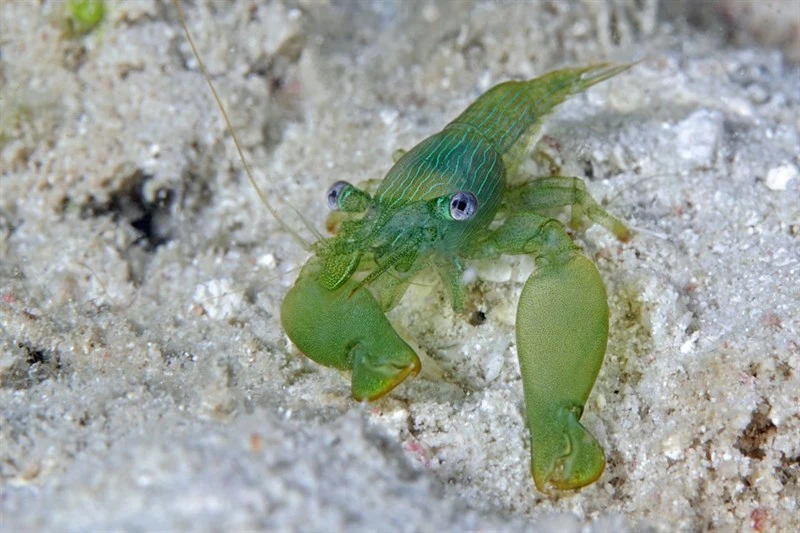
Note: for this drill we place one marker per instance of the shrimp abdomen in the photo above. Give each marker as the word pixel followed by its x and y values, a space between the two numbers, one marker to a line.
pixel 512 111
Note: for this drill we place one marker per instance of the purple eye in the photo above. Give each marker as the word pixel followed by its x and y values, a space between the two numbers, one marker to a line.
pixel 463 205
pixel 334 192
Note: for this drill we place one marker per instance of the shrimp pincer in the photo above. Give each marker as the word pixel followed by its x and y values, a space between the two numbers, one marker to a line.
pixel 347 329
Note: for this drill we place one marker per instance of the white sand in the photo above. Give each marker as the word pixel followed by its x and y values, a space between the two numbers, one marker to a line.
pixel 144 378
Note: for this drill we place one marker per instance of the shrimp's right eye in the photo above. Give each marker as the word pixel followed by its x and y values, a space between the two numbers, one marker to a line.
pixel 334 192
pixel 343 196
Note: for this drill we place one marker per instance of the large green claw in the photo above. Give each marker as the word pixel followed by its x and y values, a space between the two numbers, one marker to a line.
pixel 347 329
pixel 562 330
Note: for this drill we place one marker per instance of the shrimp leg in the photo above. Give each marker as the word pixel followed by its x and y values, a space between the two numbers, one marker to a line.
pixel 561 191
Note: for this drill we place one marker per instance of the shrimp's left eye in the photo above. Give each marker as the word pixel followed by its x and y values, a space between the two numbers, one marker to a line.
pixel 463 205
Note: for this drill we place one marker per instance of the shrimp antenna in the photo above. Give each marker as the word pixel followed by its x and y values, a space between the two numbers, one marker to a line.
pixel 296 236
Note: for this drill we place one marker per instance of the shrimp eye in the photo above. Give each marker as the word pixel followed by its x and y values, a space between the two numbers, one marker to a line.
pixel 463 205
pixel 334 192
pixel 344 197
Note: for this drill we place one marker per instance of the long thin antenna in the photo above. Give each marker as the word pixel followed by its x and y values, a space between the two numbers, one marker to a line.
pixel 296 236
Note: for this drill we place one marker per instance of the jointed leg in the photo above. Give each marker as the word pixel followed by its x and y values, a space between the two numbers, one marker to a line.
pixel 451 271
pixel 561 191
pixel 525 232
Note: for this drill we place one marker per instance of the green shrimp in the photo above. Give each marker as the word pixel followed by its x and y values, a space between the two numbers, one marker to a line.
pixel 436 208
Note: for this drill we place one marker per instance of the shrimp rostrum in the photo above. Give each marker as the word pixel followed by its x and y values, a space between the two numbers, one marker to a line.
pixel 434 208
pixel 446 201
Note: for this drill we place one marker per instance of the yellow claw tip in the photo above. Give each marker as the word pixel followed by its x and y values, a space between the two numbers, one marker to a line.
pixel 553 480
pixel 415 367
pixel 411 370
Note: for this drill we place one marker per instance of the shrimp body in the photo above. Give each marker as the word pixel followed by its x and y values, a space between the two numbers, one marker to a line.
pixel 434 208
pixel 459 158
pixel 445 201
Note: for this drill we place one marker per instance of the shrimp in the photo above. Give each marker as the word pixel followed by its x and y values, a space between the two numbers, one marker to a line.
pixel 444 202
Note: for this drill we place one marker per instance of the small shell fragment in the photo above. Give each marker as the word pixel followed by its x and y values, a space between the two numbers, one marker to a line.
pixel 779 177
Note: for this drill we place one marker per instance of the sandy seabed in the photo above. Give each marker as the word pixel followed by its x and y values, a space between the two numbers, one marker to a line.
pixel 145 382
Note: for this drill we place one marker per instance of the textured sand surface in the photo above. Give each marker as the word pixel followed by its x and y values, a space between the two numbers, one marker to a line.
pixel 144 378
